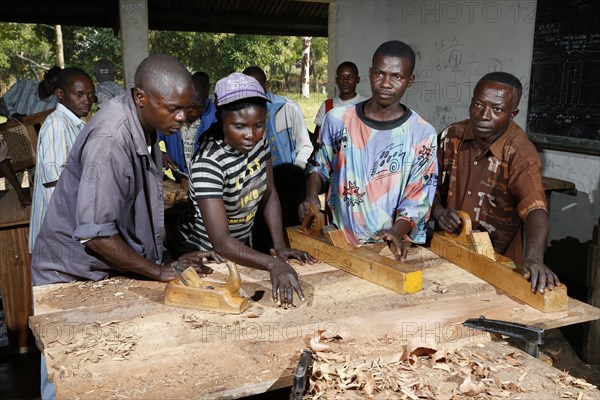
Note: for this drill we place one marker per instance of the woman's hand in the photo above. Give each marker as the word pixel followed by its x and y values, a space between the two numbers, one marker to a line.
pixel 284 281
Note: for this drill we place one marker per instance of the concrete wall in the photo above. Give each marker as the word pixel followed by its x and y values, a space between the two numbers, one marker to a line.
pixel 456 42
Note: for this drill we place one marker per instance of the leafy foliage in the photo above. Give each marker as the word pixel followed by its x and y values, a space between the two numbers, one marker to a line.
pixel 24 52
pixel 83 46
pixel 26 49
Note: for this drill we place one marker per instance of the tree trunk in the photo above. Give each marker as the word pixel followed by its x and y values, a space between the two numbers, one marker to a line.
pixel 60 55
pixel 305 66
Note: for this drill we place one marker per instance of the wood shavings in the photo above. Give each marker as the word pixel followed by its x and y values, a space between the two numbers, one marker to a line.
pixel 471 388
pixel 101 340
pixel 254 311
pixel 367 382
pixel 514 359
pixel 194 321
pixel 316 345
pixel 469 372
pixel 409 394
pixel 441 289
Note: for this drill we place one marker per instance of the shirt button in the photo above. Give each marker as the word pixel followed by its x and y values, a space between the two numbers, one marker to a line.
pixel 474 162
pixel 469 192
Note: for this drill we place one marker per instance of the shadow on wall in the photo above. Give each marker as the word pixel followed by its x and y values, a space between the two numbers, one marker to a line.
pixel 574 216
pixel 568 258
pixel 572 220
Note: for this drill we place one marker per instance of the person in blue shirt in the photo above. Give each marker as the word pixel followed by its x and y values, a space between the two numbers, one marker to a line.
pixel 179 148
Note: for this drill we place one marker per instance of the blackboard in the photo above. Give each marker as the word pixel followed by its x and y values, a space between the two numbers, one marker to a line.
pixel 564 95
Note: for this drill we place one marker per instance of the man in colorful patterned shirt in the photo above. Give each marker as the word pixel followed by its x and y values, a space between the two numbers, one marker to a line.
pixel 379 157
pixel 490 169
pixel 76 94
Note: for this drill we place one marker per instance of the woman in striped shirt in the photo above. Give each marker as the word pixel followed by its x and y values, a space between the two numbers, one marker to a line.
pixel 230 177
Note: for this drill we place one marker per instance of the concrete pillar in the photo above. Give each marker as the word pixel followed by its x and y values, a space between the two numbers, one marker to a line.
pixel 332 47
pixel 133 18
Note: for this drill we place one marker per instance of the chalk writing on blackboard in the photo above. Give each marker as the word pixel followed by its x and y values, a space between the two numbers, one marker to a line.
pixel 564 97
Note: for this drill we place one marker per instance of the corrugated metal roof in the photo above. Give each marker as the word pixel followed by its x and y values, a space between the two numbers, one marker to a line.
pixel 268 17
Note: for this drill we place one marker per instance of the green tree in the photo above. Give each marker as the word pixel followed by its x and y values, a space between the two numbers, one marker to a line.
pixel 27 49
pixel 83 46
pixel 319 57
pixel 222 53
pixel 24 53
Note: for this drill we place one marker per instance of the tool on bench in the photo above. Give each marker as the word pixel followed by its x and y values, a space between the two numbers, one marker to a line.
pixel 302 374
pixel 532 335
pixel 187 275
pixel 473 251
pixel 188 290
pixel 329 244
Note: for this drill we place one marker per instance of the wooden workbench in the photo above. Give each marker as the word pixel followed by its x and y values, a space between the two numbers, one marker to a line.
pixel 15 268
pixel 116 339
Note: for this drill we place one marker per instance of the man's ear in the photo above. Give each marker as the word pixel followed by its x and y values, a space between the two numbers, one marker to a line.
pixel 139 96
pixel 59 93
pixel 411 80
pixel 514 113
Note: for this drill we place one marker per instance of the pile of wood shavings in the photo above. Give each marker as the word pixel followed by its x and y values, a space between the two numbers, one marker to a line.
pixel 423 371
pixel 113 340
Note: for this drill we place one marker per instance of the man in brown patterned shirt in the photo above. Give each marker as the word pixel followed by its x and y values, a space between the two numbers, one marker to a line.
pixel 490 169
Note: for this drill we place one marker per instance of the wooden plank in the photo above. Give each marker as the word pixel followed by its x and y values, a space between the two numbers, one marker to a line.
pixel 558 185
pixel 172 346
pixel 383 271
pixel 497 274
pixel 591 336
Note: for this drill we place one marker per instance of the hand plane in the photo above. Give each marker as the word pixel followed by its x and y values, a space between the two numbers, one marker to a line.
pixel 473 251
pixel 329 244
pixel 189 291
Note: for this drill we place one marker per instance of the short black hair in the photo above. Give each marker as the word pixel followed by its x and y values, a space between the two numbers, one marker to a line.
pixel 52 72
pixel 347 64
pixel 201 84
pixel 202 78
pixel 257 73
pixel 396 48
pixel 506 78
pixel 66 75
pixel 160 73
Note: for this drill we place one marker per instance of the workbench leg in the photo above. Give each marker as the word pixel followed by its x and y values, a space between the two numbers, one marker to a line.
pixel 15 283
pixel 591 330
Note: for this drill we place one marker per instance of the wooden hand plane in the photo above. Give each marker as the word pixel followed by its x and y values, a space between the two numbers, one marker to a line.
pixel 473 251
pixel 329 245
pixel 189 291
